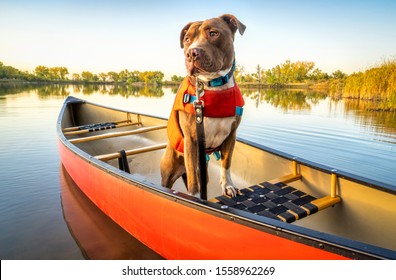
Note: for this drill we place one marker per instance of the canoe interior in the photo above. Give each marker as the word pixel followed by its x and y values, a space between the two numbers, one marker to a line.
pixel 365 214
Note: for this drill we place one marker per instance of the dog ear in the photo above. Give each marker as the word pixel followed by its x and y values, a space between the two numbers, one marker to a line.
pixel 234 23
pixel 183 33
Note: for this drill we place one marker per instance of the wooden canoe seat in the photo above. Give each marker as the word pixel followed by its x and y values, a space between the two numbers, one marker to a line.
pixel 136 151
pixel 277 200
pixel 117 134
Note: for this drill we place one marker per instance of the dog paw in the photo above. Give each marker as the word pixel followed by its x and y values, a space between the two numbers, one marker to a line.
pixel 227 186
pixel 230 191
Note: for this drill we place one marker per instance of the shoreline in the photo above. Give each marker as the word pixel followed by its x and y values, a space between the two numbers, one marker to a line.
pixel 382 105
pixel 170 83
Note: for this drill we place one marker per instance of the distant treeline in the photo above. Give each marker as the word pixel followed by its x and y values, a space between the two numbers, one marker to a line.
pixel 61 74
pixel 286 73
pixel 376 83
pixel 11 73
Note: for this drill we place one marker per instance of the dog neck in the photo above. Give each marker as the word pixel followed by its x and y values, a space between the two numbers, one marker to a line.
pixel 229 84
pixel 218 81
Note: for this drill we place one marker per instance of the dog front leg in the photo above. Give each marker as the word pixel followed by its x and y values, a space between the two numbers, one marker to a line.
pixel 171 166
pixel 227 148
pixel 191 165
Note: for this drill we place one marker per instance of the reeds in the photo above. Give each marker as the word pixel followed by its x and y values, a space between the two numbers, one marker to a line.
pixel 377 83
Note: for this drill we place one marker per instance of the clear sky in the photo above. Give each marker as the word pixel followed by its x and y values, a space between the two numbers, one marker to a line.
pixel 112 35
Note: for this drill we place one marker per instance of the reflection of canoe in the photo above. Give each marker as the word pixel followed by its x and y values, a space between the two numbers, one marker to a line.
pixel 286 217
pixel 96 234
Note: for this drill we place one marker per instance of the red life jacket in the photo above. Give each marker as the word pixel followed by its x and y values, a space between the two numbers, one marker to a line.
pixel 217 104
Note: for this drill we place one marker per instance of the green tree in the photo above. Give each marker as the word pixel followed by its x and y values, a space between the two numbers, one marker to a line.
pixel 299 71
pixel 54 74
pixel 42 72
pixel 102 77
pixel 176 78
pixel 123 76
pixel 151 77
pixel 76 77
pixel 338 74
pixel 289 72
pixel 134 77
pixel 259 75
pixel 63 72
pixel 9 72
pixel 87 76
pixel 113 76
pixel 239 74
pixel 318 75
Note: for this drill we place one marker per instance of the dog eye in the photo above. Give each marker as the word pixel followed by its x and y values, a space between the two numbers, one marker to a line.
pixel 187 40
pixel 213 33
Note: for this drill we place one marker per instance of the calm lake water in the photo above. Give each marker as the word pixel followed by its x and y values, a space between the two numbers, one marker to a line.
pixel 44 216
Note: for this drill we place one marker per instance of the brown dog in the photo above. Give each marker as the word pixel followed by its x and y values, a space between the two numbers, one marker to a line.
pixel 209 56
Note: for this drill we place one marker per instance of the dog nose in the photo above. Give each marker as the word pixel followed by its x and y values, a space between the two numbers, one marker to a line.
pixel 194 53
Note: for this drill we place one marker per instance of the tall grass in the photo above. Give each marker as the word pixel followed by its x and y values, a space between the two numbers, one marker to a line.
pixel 377 83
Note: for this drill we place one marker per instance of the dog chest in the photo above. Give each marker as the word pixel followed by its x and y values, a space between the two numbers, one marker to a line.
pixel 217 130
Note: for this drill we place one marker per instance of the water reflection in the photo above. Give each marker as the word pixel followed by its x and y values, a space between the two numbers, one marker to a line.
pixel 122 90
pixel 285 99
pixel 63 90
pixel 363 113
pixel 52 90
pixel 363 109
pixel 42 90
pixel 96 234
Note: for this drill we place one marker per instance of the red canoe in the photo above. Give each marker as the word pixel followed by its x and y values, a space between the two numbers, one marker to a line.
pixel 289 208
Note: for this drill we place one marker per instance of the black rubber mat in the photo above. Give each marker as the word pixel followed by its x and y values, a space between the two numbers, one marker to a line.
pixel 277 201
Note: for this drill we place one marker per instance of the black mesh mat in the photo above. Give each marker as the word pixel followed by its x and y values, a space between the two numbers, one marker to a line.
pixel 277 201
pixel 98 126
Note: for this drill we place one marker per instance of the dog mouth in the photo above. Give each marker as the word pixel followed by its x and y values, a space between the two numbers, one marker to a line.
pixel 194 69
pixel 200 62
pixel 201 67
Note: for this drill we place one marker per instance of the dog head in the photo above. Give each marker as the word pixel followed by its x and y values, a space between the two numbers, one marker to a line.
pixel 209 46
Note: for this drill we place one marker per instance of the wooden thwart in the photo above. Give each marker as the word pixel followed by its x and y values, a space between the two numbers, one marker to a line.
pixel 286 179
pixel 325 202
pixel 116 134
pixel 131 152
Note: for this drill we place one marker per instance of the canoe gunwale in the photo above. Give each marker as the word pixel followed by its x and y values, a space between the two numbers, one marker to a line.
pixel 327 242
